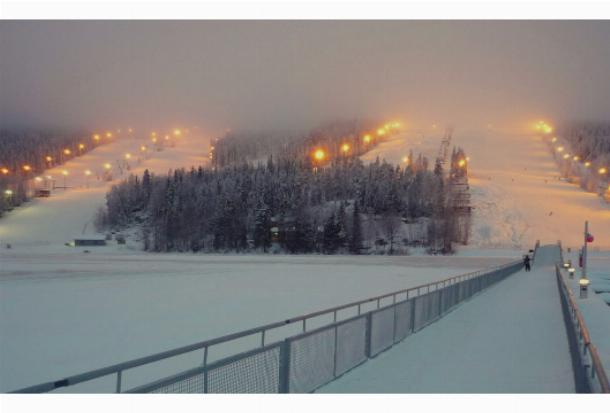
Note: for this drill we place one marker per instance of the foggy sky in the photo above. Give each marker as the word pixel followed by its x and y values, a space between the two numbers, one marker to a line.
pixel 283 74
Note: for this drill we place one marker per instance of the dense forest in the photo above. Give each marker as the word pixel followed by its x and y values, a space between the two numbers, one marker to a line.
pixel 23 156
pixel 285 204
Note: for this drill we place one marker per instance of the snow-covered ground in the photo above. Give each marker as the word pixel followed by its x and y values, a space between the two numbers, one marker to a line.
pixel 63 314
pixel 509 339
pixel 516 192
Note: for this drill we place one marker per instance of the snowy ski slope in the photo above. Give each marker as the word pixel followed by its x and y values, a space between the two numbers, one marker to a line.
pixel 516 191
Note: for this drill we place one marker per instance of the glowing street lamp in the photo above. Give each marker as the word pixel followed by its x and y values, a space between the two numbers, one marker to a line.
pixel 127 156
pixel 87 174
pixel 107 166
pixel 143 148
pixel 576 158
pixel 405 160
pixel 4 171
pixel 587 164
pixel 65 174
pixel 345 148
pixel 8 192
pixel 554 140
pixel 462 163
pixel 67 151
pixel 81 146
pixel 319 155
pixel 27 168
pixel 96 138
pixel 380 131
pixel 566 156
pixel 109 134
pixel 177 132
pixel 367 138
pixel 602 171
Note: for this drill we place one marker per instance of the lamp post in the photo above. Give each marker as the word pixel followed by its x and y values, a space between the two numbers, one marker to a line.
pixel 584 281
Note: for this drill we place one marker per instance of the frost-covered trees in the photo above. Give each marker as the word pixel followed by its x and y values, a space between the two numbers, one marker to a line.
pixel 284 202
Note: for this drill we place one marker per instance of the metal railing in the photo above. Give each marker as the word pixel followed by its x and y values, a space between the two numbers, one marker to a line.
pixel 300 361
pixel 589 373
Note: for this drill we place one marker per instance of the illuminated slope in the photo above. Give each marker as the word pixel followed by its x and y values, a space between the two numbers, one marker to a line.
pixel 50 222
pixel 516 191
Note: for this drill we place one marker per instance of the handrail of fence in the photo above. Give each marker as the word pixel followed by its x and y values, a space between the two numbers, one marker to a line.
pixel 409 294
pixel 583 351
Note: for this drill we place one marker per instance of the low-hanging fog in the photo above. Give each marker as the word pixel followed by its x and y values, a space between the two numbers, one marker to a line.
pixel 295 74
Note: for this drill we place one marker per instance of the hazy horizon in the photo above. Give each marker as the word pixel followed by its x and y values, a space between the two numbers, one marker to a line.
pixel 296 74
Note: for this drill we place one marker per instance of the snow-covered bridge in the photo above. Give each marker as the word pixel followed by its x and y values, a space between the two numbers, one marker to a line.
pixel 510 339
pixel 499 330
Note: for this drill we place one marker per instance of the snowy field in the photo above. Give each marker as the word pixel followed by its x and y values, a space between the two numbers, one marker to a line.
pixel 63 314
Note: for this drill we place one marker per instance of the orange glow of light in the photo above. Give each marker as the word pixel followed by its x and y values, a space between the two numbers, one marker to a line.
pixel 81 146
pixel 5 171
pixel 319 155
pixel 65 172
pixel 554 140
pixel 96 137
pixel 366 138
pixel 576 158
pixel 129 130
pixel 462 163
pixel 109 134
pixel 566 156
pixel 177 132
pixel 67 151
pixel 380 131
pixel 154 140
pixel 587 164
pixel 127 156
pixel 107 166
pixel 87 172
pixel 560 149
pixel 48 158
pixel 27 168
pixel 166 137
pixel 345 148
pixel 405 159
pixel 602 171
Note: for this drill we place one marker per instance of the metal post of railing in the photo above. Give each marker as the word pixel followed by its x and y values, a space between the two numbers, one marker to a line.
pixel 284 373
pixel 263 338
pixel 335 354
pixel 304 325
pixel 119 377
pixel 368 335
pixel 413 314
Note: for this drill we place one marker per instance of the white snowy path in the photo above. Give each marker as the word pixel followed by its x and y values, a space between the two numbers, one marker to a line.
pixel 509 339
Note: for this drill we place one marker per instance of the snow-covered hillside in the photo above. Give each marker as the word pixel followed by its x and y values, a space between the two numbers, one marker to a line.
pixel 69 213
pixel 516 192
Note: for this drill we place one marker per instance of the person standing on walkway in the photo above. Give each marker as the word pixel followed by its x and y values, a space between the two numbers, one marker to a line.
pixel 526 262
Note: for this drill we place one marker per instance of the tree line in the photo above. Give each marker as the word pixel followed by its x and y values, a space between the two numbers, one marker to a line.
pixel 284 204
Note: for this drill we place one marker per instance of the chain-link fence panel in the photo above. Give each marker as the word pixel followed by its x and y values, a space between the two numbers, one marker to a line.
pixel 403 325
pixel 257 372
pixel 187 384
pixel 351 345
pixel 382 330
pixel 311 360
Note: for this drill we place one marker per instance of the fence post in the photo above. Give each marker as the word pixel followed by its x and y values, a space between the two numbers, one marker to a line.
pixel 440 302
pixel 284 375
pixel 413 314
pixel 335 355
pixel 369 328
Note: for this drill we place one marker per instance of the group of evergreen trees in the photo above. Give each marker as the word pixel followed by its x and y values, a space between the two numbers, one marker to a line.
pixel 25 155
pixel 285 204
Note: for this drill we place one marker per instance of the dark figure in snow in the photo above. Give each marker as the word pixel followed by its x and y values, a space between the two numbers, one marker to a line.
pixel 526 263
